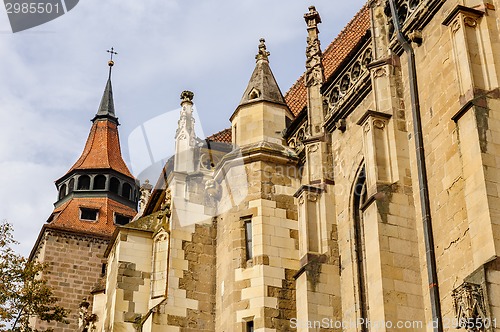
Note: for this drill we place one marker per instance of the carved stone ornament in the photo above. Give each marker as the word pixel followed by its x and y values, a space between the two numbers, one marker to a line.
pixel 312 148
pixel 145 190
pixel 405 10
pixel 187 96
pixel 296 140
pixel 379 72
pixel 379 124
pixel 263 53
pixel 314 67
pixel 469 306
pixel 455 26
pixel 312 197
pixel 367 127
pixel 354 75
pixel 185 125
pixel 470 22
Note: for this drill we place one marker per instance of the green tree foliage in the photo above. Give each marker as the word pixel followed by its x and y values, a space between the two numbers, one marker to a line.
pixel 24 293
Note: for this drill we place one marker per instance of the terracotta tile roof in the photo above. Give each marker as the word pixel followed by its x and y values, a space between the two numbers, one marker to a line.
pixel 223 136
pixel 102 149
pixel 67 216
pixel 334 54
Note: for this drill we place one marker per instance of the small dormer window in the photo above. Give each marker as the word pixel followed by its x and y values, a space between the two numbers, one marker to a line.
pixel 121 219
pixel 88 214
pixel 254 94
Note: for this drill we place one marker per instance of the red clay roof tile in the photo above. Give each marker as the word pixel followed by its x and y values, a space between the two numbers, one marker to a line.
pixel 102 149
pixel 223 136
pixel 67 215
pixel 334 54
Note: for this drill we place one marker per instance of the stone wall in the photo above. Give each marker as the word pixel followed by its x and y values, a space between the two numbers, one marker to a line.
pixel 260 289
pixel 74 270
pixel 191 283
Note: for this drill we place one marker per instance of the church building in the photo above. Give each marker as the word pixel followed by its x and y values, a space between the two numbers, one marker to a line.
pixel 366 198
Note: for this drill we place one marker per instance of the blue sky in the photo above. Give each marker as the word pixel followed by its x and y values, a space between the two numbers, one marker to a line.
pixel 52 78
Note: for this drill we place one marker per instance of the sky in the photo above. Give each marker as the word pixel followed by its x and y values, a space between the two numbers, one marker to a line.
pixel 52 78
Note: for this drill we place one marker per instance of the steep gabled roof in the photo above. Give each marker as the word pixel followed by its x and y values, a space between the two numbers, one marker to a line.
pixel 333 56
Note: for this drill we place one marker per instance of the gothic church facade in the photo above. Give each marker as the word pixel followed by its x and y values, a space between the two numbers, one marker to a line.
pixel 364 199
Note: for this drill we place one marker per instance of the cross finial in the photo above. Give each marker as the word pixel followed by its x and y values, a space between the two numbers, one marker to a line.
pixel 111 62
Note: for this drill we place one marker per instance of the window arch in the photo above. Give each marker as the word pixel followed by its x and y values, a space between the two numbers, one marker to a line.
pixel 114 185
pixel 126 190
pixel 62 191
pixel 100 182
pixel 83 182
pixel 160 264
pixel 71 186
pixel 359 199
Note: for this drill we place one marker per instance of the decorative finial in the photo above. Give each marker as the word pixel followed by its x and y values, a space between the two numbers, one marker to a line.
pixel 111 62
pixel 263 53
pixel 312 17
pixel 187 96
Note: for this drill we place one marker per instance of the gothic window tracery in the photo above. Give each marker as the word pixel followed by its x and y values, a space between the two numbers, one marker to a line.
pixel 359 198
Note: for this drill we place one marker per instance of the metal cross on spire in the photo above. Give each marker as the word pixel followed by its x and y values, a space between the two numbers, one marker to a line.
pixel 111 62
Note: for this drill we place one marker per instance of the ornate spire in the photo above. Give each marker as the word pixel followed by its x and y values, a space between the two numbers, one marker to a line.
pixel 263 53
pixel 314 67
pixel 262 85
pixel 185 136
pixel 185 125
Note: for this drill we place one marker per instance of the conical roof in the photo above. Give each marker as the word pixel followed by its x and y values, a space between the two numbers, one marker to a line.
pixel 102 150
pixel 262 85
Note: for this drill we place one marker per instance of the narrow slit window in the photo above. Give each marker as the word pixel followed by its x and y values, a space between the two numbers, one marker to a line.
pixel 250 326
pixel 248 239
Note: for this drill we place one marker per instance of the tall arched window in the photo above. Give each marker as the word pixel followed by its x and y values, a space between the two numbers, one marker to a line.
pixel 83 182
pixel 114 185
pixel 100 182
pixel 359 199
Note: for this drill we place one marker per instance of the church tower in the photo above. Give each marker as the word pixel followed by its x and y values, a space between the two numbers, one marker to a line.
pixel 96 194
